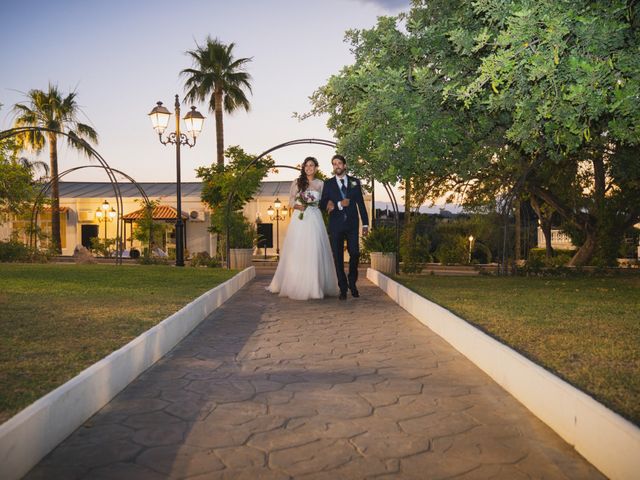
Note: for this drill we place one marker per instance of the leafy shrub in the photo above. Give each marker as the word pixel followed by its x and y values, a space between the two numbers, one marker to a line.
pixel 242 233
pixel 150 260
pixel 537 262
pixel 380 239
pixel 203 259
pixel 481 253
pixel 414 249
pixel 103 247
pixel 14 250
pixel 453 249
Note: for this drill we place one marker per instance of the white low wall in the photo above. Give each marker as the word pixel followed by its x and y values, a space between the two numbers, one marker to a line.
pixel 28 436
pixel 604 438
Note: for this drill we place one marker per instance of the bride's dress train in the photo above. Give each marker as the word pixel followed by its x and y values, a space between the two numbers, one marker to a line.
pixel 306 269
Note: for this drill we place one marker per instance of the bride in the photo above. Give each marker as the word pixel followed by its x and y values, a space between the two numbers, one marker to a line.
pixel 306 269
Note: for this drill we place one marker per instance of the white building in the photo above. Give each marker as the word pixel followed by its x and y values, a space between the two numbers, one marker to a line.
pixel 80 200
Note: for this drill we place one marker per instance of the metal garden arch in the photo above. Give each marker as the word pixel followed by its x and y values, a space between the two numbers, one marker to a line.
pixel 12 132
pixel 302 141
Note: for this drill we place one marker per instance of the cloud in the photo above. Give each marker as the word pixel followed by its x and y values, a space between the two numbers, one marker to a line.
pixel 391 5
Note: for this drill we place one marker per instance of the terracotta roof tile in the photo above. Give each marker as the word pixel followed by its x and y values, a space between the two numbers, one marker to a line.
pixel 161 212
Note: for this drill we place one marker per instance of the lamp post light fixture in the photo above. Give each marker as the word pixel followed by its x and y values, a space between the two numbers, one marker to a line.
pixel 470 247
pixel 105 213
pixel 277 215
pixel 194 121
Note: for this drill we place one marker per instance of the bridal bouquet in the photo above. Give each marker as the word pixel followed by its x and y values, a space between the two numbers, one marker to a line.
pixel 306 199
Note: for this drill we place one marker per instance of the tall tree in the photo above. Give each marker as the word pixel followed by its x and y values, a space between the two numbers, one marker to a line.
pixel 52 110
pixel 568 73
pixel 219 79
pixel 16 184
pixel 495 99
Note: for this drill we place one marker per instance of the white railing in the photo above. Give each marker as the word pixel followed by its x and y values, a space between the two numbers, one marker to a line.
pixel 559 239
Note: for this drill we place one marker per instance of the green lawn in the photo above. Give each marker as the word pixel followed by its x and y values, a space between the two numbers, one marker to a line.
pixel 584 329
pixel 56 320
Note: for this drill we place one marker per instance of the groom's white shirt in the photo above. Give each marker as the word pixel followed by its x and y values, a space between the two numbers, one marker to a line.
pixel 339 182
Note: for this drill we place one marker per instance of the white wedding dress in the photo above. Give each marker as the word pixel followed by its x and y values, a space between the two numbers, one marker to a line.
pixel 306 269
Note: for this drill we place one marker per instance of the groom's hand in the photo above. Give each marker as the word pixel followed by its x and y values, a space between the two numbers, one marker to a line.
pixel 345 202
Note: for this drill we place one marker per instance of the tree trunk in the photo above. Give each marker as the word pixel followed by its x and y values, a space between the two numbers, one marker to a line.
pixel 55 195
pixel 585 222
pixel 586 251
pixel 545 225
pixel 518 231
pixel 407 200
pixel 546 231
pixel 219 127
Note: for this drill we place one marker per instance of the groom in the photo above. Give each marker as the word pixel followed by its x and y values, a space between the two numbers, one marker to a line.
pixel 342 198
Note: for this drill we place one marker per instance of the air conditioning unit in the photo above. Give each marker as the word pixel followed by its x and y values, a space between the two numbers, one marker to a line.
pixel 196 216
pixel 86 216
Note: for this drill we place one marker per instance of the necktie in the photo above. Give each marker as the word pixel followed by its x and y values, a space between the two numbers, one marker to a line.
pixel 343 188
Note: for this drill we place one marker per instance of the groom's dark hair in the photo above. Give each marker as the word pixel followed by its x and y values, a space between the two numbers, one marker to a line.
pixel 339 157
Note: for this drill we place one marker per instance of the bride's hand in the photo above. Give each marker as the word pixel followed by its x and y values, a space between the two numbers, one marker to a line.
pixel 302 208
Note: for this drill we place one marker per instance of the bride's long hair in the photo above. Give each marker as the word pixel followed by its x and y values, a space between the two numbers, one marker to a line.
pixel 303 181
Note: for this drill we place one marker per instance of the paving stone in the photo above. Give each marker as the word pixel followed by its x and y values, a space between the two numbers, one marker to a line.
pixel 408 408
pixel 90 455
pixel 436 465
pixel 98 434
pixel 144 420
pixel 354 469
pixel 274 398
pixel 328 404
pixel 271 388
pixel 50 469
pixel 209 435
pixel 281 438
pixel 120 471
pixel 180 461
pixel 390 445
pixel 190 410
pixel 263 385
pixel 241 457
pixel 161 434
pixel 122 406
pixel 313 457
pixel 257 473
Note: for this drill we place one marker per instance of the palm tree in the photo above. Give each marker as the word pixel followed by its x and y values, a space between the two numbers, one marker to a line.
pixel 39 170
pixel 49 109
pixel 220 79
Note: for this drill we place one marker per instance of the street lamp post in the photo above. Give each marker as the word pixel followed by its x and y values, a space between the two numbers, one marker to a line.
pixel 105 213
pixel 194 121
pixel 277 216
pixel 470 247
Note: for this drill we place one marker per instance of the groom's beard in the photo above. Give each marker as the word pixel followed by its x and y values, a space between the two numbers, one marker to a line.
pixel 338 171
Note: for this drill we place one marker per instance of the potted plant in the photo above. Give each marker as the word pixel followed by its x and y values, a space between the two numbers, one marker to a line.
pixel 382 247
pixel 242 240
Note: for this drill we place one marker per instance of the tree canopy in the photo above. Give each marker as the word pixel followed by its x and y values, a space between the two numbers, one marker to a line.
pixel 492 99
pixel 220 79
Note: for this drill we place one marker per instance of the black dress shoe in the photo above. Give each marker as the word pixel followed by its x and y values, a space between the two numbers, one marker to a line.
pixel 355 293
pixel 343 296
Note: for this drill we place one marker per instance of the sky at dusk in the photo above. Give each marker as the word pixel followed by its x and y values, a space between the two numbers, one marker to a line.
pixel 123 56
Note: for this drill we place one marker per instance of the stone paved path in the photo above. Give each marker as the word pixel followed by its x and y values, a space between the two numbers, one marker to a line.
pixel 270 388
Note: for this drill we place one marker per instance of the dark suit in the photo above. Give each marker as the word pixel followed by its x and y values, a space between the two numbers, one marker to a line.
pixel 344 225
